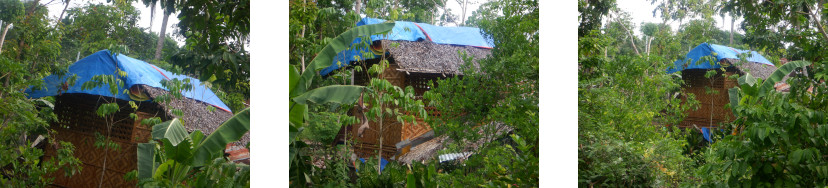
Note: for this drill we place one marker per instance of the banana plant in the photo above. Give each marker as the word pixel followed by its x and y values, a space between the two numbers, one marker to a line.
pixel 753 88
pixel 175 157
pixel 301 96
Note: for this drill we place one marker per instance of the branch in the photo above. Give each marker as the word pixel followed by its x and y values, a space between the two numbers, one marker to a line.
pixel 817 22
pixel 632 38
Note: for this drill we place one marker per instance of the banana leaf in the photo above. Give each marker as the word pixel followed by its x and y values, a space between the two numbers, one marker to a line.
pixel 146 160
pixel 336 45
pixel 780 73
pixel 172 130
pixel 230 131
pixel 341 94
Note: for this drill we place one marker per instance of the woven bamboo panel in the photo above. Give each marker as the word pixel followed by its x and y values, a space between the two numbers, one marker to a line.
pixel 118 163
pixel 90 176
pixel 710 104
pixel 411 130
pixel 397 78
pixel 368 143
pixel 141 133
pixel 420 81
pixel 78 124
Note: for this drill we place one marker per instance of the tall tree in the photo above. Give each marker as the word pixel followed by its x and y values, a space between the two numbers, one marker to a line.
pixel 10 12
pixel 470 101
pixel 215 49
pixel 32 43
pixel 464 7
pixel 591 13
pixel 168 7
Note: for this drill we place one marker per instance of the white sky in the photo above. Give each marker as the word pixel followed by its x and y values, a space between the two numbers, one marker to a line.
pixel 642 11
pixel 56 6
pixel 455 8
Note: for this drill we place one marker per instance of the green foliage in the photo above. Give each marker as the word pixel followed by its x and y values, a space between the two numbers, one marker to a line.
pixel 776 137
pixel 619 143
pixel 471 100
pixel 23 120
pixel 623 104
pixel 175 158
pixel 802 37
pixel 385 100
pixel 11 11
pixel 590 14
pixel 216 37
pixel 94 27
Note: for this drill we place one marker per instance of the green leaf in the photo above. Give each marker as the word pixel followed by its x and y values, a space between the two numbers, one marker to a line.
pixel 146 160
pixel 336 45
pixel 796 156
pixel 196 136
pixel 230 131
pixel 780 73
pixel 172 130
pixel 341 94
pixel 297 114
pixel 747 79
pixel 294 78
pixel 733 94
pixel 411 181
pixel 294 132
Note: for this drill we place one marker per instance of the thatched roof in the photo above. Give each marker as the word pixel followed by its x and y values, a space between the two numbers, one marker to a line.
pixel 428 57
pixel 758 70
pixel 195 113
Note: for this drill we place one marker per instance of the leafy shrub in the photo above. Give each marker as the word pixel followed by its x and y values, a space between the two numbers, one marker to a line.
pixel 624 104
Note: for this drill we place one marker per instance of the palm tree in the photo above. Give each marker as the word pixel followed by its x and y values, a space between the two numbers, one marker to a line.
pixel 168 6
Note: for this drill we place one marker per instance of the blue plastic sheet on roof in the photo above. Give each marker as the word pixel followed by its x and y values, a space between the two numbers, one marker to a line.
pixel 138 72
pixel 409 31
pixel 466 36
pixel 722 52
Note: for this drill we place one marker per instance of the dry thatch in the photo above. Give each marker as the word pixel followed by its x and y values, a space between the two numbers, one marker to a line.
pixel 428 57
pixel 195 113
pixel 428 150
pixel 758 70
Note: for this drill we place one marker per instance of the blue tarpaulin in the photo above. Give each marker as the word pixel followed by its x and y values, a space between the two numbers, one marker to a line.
pixel 706 133
pixel 722 52
pixel 383 162
pixel 138 72
pixel 409 31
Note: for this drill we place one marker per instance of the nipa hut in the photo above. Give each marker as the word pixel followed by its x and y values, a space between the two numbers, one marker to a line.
pixel 711 109
pixel 417 54
pixel 79 124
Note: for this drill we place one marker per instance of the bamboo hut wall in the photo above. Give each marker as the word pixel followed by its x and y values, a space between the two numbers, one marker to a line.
pixel 368 144
pixel 709 104
pixel 78 124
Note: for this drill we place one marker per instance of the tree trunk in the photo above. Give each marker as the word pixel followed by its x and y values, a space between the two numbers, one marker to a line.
pixel 632 40
pixel 632 37
pixel 396 4
pixel 379 159
pixel 152 14
pixel 357 7
pixel 732 20
pixel 161 36
pixel 302 57
pixel 64 11
pixel 3 37
pixel 463 17
pixel 818 21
